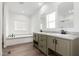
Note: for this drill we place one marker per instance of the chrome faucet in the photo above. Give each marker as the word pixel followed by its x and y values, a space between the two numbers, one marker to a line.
pixel 63 32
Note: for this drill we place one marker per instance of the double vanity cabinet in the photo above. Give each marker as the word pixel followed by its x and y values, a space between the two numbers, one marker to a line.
pixel 56 44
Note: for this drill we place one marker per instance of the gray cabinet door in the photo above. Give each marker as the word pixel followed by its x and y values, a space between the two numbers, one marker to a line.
pixel 40 42
pixel 35 37
pixel 43 43
pixel 51 42
pixel 63 47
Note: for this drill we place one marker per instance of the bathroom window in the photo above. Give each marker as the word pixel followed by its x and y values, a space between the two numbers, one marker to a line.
pixel 51 20
pixel 19 25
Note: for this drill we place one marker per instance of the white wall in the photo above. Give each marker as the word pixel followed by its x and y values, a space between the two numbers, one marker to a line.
pixel 35 24
pixel 73 26
pixel 0 28
pixel 76 16
pixel 64 18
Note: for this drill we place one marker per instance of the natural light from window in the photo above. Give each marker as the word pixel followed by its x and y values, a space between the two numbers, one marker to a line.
pixel 51 20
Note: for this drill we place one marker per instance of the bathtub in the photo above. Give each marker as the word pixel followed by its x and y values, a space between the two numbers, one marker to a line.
pixel 18 39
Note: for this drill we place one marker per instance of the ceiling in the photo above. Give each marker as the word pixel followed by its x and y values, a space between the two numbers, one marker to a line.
pixel 27 8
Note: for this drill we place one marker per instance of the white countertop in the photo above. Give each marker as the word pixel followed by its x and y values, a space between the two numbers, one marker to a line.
pixel 65 36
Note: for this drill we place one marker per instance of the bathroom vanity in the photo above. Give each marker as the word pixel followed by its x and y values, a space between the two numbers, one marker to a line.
pixel 56 44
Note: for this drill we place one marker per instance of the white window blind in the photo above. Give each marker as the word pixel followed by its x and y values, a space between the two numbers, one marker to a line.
pixel 51 20
pixel 20 25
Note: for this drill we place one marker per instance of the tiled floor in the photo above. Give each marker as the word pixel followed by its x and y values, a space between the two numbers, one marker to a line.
pixel 22 50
